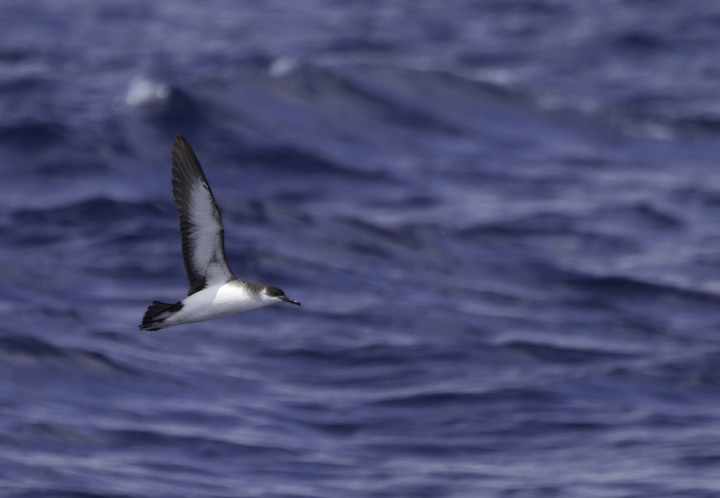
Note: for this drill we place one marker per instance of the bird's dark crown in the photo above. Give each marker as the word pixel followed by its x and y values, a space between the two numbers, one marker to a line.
pixel 273 291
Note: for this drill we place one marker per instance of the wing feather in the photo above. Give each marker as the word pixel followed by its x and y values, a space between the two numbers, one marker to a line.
pixel 201 229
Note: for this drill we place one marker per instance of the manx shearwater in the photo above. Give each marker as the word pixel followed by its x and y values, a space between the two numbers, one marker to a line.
pixel 214 289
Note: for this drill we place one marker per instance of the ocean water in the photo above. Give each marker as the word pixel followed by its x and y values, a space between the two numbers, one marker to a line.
pixel 502 218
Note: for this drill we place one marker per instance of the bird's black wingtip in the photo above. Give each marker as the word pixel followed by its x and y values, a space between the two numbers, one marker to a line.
pixel 179 139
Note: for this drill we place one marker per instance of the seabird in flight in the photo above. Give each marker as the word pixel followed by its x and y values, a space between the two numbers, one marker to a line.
pixel 214 289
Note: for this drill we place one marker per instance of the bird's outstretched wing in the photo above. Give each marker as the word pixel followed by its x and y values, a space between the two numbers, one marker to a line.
pixel 203 241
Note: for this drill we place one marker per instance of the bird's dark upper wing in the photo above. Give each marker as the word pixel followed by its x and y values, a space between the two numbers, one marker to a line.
pixel 203 242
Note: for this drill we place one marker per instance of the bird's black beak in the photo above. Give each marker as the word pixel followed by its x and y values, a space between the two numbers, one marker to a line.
pixel 288 300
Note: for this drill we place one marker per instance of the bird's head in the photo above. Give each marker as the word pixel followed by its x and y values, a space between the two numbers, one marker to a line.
pixel 276 294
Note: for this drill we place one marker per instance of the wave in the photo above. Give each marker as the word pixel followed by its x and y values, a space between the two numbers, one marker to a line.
pixel 690 371
pixel 423 398
pixel 24 350
pixel 98 209
pixel 33 135
pixel 564 354
pixel 625 286
pixel 59 492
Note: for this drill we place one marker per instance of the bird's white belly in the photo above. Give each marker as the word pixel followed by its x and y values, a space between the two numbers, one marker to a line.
pixel 214 302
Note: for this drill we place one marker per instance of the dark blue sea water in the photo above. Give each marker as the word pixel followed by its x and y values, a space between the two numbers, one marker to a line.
pixel 502 218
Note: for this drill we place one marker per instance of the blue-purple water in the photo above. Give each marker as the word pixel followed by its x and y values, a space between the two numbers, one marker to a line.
pixel 502 219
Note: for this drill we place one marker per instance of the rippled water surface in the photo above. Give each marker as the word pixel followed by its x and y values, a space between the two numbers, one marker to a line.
pixel 502 219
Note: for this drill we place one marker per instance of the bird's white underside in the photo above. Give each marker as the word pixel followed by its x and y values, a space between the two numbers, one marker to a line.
pixel 218 301
pixel 207 257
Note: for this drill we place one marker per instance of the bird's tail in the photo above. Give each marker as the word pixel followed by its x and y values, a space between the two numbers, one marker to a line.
pixel 157 313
